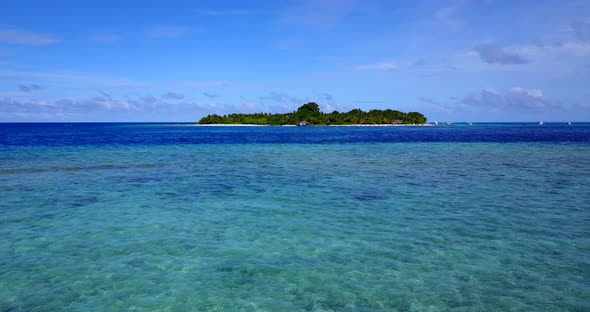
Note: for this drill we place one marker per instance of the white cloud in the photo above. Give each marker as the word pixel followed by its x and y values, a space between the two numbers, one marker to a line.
pixel 107 107
pixel 104 38
pixel 173 95
pixel 233 12
pixel 389 65
pixel 492 54
pixel 379 66
pixel 537 93
pixel 491 90
pixel 149 99
pixel 561 51
pixel 287 43
pixel 582 30
pixel 68 78
pixel 279 97
pixel 249 105
pixel 319 14
pixel 204 84
pixel 566 58
pixel 446 17
pixel 516 98
pixel 22 37
pixel 14 64
pixel 65 105
pixel 29 87
pixel 167 31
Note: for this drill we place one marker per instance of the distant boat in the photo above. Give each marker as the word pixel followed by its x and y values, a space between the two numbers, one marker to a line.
pixel 470 123
pixel 541 123
pixel 569 123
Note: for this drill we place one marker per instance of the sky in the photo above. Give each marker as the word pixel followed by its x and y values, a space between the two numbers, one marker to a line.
pixel 459 60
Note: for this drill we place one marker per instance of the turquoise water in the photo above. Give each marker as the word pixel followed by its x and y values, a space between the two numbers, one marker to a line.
pixel 366 226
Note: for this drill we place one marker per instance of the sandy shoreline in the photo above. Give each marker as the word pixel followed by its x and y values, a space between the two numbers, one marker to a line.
pixel 253 125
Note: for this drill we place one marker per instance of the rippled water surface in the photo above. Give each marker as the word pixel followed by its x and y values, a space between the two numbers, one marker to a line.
pixel 97 217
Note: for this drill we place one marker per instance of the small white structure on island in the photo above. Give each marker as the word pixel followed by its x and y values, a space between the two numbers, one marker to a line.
pixel 302 123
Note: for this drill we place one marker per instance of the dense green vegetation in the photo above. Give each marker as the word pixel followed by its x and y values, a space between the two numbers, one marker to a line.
pixel 311 114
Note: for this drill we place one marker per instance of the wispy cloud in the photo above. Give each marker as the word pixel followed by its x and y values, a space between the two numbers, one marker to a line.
pixel 14 64
pixel 390 65
pixel 167 32
pixel 22 37
pixel 233 12
pixel 328 103
pixel 68 78
pixel 429 100
pixel 65 105
pixel 565 58
pixel 205 84
pixel 379 66
pixel 282 98
pixel 98 103
pixel 29 87
pixel 287 43
pixel 210 95
pixel 173 96
pixel 104 38
pixel 581 30
pixel 492 54
pixel 490 103
pixel 320 14
pixel 446 17
pixel 149 99
pixel 105 106
pixel 249 106
pixel 515 98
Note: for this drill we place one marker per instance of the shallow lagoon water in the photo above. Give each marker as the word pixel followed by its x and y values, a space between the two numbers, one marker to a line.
pixel 155 217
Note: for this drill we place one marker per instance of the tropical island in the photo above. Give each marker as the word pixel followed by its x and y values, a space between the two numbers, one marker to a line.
pixel 310 114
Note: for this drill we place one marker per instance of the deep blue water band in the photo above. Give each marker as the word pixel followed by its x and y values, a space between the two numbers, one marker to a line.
pixel 72 134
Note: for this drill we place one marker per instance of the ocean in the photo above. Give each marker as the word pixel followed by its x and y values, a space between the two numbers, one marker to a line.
pixel 172 217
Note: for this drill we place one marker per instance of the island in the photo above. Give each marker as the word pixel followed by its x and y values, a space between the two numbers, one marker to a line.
pixel 310 114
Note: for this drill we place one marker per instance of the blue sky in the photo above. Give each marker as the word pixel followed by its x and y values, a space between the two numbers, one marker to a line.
pixel 462 60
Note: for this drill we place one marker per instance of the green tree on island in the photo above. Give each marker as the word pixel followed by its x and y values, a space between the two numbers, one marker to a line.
pixel 311 114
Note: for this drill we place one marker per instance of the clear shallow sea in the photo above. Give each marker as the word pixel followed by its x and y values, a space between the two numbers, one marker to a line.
pixel 156 217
